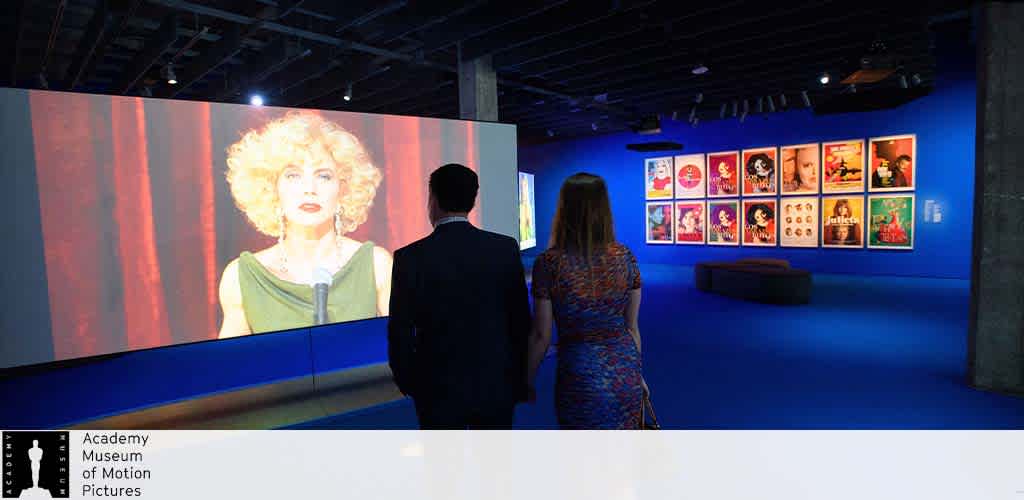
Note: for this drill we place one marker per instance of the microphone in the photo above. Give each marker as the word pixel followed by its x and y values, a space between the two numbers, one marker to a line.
pixel 321 280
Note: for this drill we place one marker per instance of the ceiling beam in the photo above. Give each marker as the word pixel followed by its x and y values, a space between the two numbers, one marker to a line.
pixel 484 20
pixel 158 43
pixel 101 21
pixel 228 46
pixel 275 56
pixel 51 42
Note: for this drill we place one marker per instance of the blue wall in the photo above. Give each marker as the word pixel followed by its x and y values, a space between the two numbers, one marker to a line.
pixel 943 121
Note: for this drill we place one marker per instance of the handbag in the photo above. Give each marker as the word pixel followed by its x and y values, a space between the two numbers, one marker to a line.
pixel 648 420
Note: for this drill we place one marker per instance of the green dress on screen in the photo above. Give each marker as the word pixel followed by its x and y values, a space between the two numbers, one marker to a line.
pixel 271 303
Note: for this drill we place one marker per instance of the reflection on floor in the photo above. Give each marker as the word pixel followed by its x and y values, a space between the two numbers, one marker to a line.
pixel 867 353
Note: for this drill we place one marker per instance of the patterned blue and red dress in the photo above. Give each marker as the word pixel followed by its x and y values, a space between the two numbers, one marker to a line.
pixel 598 385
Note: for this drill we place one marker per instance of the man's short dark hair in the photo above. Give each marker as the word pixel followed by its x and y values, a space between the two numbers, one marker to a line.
pixel 454 186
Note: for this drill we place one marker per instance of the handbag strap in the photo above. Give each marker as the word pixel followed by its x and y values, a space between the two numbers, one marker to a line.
pixel 648 407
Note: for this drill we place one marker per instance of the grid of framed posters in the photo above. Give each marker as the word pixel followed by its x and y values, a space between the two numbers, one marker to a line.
pixel 852 193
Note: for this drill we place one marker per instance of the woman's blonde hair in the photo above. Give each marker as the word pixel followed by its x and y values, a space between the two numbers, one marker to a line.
pixel 256 161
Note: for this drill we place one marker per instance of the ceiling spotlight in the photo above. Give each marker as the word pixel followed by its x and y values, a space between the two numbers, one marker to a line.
pixel 824 79
pixel 735 106
pixel 693 113
pixel 675 115
pixel 699 69
pixel 168 74
pixel 760 104
pixel 805 98
pixel 721 112
pixel 852 88
pixel 903 82
pixel 147 91
pixel 699 98
pixel 348 93
pixel 743 116
pixel 256 100
pixel 695 122
pixel 43 83
pixel 746 106
pixel 782 100
pixel 771 104
pixel 551 133
pixel 593 126
pixel 916 79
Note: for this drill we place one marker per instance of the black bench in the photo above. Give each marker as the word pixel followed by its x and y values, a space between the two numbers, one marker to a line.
pixel 759 280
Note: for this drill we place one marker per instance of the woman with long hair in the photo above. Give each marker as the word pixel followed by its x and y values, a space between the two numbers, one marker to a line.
pixel 589 284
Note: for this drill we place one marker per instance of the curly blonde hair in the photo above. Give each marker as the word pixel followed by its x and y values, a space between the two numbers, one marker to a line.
pixel 256 161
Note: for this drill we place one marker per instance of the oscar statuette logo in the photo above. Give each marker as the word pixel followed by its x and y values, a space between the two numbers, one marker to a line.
pixel 36 464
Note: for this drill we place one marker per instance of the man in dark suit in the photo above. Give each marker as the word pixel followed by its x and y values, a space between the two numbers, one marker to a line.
pixel 460 315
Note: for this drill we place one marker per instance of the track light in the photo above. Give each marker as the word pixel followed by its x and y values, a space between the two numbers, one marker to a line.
pixel 824 79
pixel 782 100
pixel 168 74
pixel 805 98
pixel 593 126
pixel 746 106
pixel 348 93
pixel 699 69
pixel 771 104
pixel 852 88
pixel 743 116
pixel 693 113
pixel 721 112
pixel 760 104
pixel 675 115
pixel 256 100
pixel 699 98
pixel 735 105
pixel 916 79
pixel 147 91
pixel 903 82
pixel 551 133
pixel 695 122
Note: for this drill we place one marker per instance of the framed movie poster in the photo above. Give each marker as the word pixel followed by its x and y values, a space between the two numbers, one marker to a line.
pixel 892 163
pixel 691 222
pixel 759 222
pixel 891 221
pixel 842 222
pixel 799 168
pixel 690 176
pixel 724 222
pixel 798 221
pixel 760 175
pixel 842 166
pixel 658 178
pixel 723 174
pixel 658 221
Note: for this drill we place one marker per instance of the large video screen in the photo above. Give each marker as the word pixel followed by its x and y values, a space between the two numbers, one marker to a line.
pixel 148 222
pixel 527 212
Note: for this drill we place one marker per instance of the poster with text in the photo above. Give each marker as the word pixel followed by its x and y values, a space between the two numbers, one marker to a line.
pixel 724 223
pixel 842 222
pixel 659 222
pixel 891 221
pixel 690 176
pixel 759 222
pixel 800 167
pixel 842 166
pixel 760 172
pixel 892 163
pixel 658 178
pixel 798 221
pixel 527 212
pixel 723 174
pixel 690 222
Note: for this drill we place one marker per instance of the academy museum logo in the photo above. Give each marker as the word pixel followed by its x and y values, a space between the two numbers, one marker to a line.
pixel 36 464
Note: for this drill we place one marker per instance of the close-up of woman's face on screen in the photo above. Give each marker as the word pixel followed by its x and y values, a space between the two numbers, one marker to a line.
pixel 163 222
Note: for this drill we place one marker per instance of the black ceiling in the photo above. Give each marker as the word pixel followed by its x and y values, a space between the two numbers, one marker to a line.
pixel 565 68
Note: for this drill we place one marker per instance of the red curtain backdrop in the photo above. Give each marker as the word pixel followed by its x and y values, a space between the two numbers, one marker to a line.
pixel 137 219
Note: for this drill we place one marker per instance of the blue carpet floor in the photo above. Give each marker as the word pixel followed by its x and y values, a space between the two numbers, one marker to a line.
pixel 867 353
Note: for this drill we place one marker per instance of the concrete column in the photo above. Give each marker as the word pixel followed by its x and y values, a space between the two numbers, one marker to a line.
pixel 478 90
pixel 996 335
